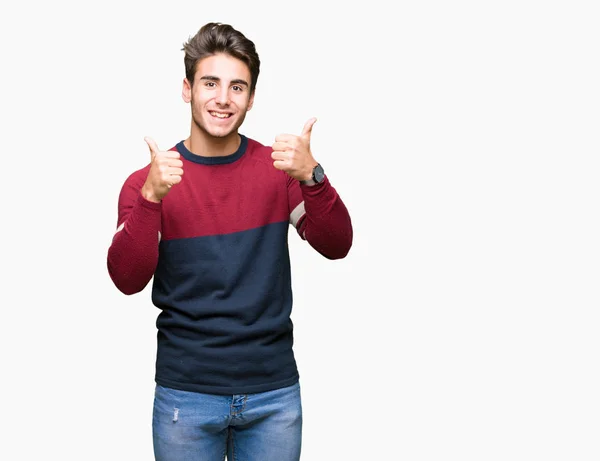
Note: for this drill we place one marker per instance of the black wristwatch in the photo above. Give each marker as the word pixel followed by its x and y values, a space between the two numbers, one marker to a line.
pixel 318 176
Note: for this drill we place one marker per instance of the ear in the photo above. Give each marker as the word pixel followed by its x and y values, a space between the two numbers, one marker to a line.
pixel 250 101
pixel 186 92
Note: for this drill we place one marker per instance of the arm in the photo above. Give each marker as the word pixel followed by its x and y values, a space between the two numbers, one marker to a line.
pixel 133 253
pixel 321 218
pixel 317 211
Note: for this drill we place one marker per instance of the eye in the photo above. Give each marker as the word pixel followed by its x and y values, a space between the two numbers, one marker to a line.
pixel 210 84
pixel 237 88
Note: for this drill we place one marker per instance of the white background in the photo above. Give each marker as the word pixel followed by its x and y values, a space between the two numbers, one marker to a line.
pixel 462 136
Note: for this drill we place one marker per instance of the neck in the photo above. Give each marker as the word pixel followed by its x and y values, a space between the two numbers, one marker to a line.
pixel 202 143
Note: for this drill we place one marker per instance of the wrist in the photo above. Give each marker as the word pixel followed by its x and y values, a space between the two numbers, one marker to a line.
pixel 308 176
pixel 317 176
pixel 149 194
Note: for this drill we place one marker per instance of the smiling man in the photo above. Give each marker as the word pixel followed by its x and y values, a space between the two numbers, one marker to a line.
pixel 214 241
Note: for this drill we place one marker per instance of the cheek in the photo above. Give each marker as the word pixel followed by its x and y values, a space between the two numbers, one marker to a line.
pixel 197 102
pixel 243 102
pixel 199 96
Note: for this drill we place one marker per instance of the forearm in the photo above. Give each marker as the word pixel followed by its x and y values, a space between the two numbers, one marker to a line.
pixel 133 253
pixel 326 224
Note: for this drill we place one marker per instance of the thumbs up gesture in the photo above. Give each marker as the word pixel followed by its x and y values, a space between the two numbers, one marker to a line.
pixel 292 153
pixel 165 171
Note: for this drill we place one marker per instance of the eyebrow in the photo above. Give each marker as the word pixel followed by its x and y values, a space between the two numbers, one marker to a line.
pixel 237 81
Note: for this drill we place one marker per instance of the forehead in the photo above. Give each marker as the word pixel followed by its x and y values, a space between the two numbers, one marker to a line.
pixel 223 66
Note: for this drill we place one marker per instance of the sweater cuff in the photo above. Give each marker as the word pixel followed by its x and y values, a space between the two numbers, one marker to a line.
pixel 147 203
pixel 317 189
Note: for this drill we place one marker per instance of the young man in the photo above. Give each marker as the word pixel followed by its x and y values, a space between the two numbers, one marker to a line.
pixel 215 241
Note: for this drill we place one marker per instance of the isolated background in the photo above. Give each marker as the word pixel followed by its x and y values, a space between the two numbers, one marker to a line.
pixel 462 136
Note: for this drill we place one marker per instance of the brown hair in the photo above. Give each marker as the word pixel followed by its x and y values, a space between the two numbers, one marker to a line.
pixel 213 38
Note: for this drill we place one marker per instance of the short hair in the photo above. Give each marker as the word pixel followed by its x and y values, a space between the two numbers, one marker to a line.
pixel 213 38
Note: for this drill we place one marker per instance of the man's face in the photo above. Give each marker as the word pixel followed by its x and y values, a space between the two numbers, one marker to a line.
pixel 220 96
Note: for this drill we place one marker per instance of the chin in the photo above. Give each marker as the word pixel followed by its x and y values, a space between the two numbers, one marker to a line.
pixel 220 133
pixel 215 132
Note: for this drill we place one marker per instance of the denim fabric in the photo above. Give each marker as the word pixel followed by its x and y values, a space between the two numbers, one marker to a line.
pixel 265 426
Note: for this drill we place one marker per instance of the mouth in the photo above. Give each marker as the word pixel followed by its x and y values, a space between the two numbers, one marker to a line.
pixel 220 115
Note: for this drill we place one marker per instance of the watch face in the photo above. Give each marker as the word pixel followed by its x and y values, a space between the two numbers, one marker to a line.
pixel 318 173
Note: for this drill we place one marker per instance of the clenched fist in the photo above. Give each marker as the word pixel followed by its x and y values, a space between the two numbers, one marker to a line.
pixel 165 171
pixel 292 153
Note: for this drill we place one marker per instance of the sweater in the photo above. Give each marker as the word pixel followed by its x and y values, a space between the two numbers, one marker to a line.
pixel 216 250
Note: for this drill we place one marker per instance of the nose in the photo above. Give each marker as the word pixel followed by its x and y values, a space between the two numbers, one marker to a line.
pixel 222 97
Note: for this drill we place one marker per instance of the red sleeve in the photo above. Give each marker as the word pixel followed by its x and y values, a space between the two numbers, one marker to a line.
pixel 133 253
pixel 321 218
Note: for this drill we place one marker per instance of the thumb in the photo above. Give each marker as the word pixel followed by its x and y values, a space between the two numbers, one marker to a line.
pixel 306 131
pixel 152 145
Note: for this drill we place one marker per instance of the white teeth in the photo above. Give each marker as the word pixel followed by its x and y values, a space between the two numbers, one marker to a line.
pixel 216 114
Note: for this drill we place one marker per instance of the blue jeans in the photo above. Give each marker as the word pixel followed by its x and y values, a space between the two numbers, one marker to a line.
pixel 265 426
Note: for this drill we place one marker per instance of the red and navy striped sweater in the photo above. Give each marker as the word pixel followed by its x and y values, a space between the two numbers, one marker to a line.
pixel 218 251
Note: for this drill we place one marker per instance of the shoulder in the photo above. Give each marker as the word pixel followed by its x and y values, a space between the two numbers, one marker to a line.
pixel 138 176
pixel 258 150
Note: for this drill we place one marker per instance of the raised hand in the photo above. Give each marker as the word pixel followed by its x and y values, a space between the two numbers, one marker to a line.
pixel 292 153
pixel 165 171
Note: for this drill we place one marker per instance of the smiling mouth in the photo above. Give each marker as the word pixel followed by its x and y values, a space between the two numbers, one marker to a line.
pixel 219 115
